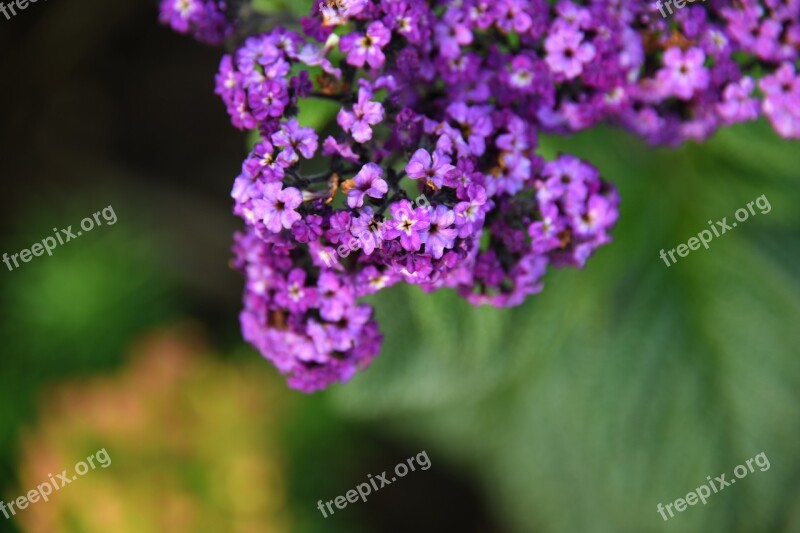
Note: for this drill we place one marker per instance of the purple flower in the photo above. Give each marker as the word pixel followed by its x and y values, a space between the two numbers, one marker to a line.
pixel 337 12
pixel 277 208
pixel 179 13
pixel 405 20
pixel 371 280
pixel 408 224
pixel 519 137
pixel 451 34
pixel 308 229
pixel 522 74
pixel 204 19
pixel 683 72
pixel 441 234
pixel 567 53
pixel 367 230
pixel 332 147
pixel 573 15
pixel 511 16
pixel 334 297
pixel 348 328
pixel 738 104
pixel 423 166
pixel 564 178
pixel 339 227
pixel 782 100
pixel 367 48
pixel 257 53
pixel 513 170
pixel 545 233
pixel 368 182
pixel 470 213
pixel 227 80
pixel 262 161
pixel 365 115
pixel 294 295
pixel 315 56
pixel 475 124
pixel 297 139
pixel 268 99
pixel 601 213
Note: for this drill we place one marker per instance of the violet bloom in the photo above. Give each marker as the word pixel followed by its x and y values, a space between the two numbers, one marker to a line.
pixel 601 213
pixel 368 182
pixel 573 15
pixel 683 72
pixel 331 147
pixel 519 137
pixel 367 48
pixel 404 20
pixel 338 12
pixel 781 88
pixel 567 53
pixel 423 166
pixel 347 330
pixel 470 213
pixel 738 104
pixel 342 335
pixel 204 19
pixel 277 208
pixel 408 224
pixel 179 13
pixel 262 161
pixel 782 100
pixel 308 229
pixel 259 50
pixel 365 115
pixel 545 233
pixel 452 34
pixel 522 73
pixel 371 280
pixel 339 227
pixel 511 16
pixel 367 230
pixel 333 297
pixel 565 178
pixel 296 139
pixel 513 170
pixel 268 99
pixel 441 234
pixel 294 295
pixel 476 126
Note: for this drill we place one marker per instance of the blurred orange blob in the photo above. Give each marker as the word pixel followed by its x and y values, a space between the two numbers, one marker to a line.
pixel 192 442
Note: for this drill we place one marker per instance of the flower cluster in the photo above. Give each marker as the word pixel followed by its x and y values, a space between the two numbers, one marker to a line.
pixel 698 72
pixel 447 101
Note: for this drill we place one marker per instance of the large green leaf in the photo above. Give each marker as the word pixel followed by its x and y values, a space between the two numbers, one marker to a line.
pixel 628 383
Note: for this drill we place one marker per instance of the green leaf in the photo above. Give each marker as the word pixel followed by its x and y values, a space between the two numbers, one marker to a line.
pixel 624 385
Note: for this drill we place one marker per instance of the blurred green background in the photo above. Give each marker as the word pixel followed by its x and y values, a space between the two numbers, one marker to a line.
pixel 619 387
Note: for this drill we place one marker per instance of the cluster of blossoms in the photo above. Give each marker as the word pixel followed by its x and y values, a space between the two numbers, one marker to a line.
pixel 446 100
